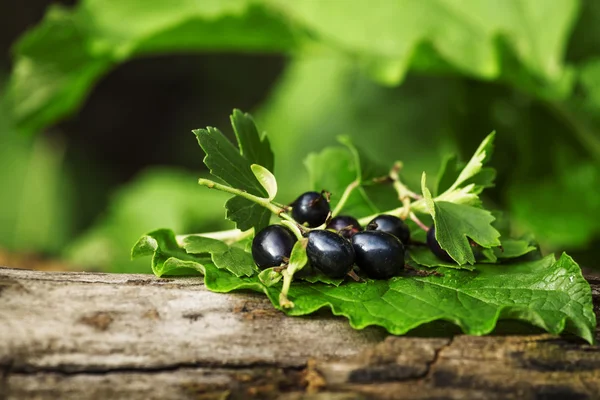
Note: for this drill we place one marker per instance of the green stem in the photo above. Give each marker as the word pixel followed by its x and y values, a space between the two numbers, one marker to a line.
pixel 228 236
pixel 417 206
pixel 404 194
pixel 347 192
pixel 279 211
pixel 294 227
pixel 242 193
pixel 283 299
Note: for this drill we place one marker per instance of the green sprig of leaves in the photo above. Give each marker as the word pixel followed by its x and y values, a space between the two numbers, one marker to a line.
pixel 485 283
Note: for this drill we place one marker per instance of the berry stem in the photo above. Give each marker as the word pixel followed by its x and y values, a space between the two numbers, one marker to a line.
pixel 417 221
pixel 242 193
pixel 416 206
pixel 283 299
pixel 294 227
pixel 404 194
pixel 347 192
pixel 229 236
pixel 277 210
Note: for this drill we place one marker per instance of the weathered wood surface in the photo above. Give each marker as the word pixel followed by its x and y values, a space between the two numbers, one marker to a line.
pixel 90 335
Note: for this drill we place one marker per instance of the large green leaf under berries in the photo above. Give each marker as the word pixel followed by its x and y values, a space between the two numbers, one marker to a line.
pixel 548 293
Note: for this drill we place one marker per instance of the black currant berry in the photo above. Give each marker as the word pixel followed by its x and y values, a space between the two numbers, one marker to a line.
pixel 310 208
pixel 271 245
pixel 345 225
pixel 330 253
pixel 392 225
pixel 379 254
pixel 435 247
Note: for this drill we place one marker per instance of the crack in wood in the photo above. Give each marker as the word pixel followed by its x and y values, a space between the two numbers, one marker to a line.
pixel 436 356
pixel 72 370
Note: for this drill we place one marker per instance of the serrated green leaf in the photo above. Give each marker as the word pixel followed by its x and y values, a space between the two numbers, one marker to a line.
pixel 448 173
pixel 316 276
pixel 456 223
pixel 168 256
pixel 236 261
pixel 548 293
pixel 470 173
pixel 253 146
pixel 226 163
pixel 512 248
pixel 202 245
pixel 424 257
pixel 247 214
pixel 145 246
pixel 266 179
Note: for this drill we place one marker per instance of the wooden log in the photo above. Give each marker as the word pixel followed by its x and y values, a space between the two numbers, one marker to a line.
pixel 92 335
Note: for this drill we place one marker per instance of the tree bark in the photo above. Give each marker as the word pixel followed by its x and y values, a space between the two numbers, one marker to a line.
pixel 92 335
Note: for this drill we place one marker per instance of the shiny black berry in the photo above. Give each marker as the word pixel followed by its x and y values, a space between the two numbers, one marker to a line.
pixel 379 254
pixel 392 225
pixel 310 208
pixel 271 245
pixel 345 225
pixel 435 247
pixel 330 253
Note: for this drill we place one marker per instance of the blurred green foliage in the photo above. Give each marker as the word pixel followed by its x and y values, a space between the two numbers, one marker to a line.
pixel 36 203
pixel 406 80
pixel 158 197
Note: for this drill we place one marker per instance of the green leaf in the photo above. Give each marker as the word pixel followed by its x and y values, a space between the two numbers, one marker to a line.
pixel 269 277
pixel 167 256
pixel 548 293
pixel 313 275
pixel 456 223
pixel 366 169
pixel 298 257
pixel 61 59
pixel 333 170
pixel 512 248
pixel 563 210
pixel 266 179
pixel 203 245
pixel 473 172
pixel 253 146
pixel 460 36
pixel 247 214
pixel 236 261
pixel 424 257
pixel 226 163
pixel 145 246
pixel 448 173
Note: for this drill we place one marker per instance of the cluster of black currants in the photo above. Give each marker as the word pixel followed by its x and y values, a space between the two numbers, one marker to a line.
pixel 378 250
